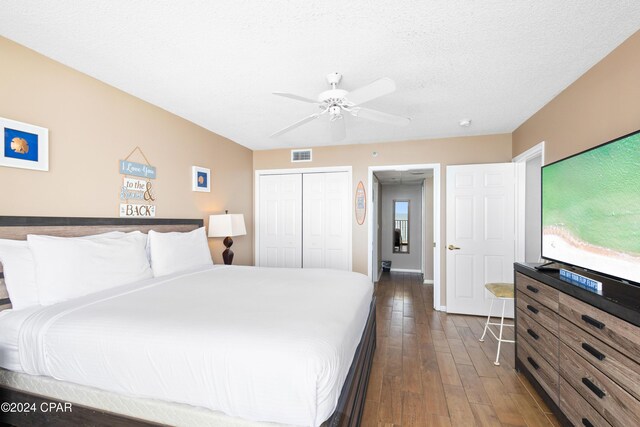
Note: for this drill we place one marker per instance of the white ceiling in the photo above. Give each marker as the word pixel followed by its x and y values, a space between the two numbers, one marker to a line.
pixel 217 62
pixel 407 177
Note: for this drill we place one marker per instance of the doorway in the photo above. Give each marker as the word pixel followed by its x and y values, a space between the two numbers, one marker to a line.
pixel 401 226
pixel 528 203
pixel 404 221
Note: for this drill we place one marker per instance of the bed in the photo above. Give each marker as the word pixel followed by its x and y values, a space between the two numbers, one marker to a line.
pixel 268 350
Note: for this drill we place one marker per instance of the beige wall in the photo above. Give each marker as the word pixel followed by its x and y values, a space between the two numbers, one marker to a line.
pixel 446 151
pixel 601 105
pixel 92 126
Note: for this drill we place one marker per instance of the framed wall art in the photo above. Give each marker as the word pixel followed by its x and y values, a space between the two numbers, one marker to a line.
pixel 24 146
pixel 361 203
pixel 201 179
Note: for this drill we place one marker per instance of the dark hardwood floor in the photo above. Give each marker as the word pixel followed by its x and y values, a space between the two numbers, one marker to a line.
pixel 430 369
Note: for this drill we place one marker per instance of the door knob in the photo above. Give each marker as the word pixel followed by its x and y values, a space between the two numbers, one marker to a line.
pixel 453 248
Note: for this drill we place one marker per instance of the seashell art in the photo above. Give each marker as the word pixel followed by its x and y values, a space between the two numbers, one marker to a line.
pixel 20 145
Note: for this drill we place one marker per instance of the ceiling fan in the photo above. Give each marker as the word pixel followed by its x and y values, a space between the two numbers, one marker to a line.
pixel 335 102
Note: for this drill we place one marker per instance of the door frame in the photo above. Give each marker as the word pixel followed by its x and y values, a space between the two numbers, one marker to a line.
pixel 373 212
pixel 521 197
pixel 436 223
pixel 256 202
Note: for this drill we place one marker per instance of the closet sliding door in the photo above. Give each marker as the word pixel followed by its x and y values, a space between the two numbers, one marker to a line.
pixel 325 219
pixel 280 221
pixel 304 220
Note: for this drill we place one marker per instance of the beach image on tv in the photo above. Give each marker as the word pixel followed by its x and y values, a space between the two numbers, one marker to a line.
pixel 591 209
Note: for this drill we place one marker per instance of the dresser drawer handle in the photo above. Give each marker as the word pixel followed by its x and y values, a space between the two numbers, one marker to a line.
pixel 533 363
pixel 532 309
pixel 532 289
pixel 595 353
pixel 533 334
pixel 595 389
pixel 586 423
pixel 593 322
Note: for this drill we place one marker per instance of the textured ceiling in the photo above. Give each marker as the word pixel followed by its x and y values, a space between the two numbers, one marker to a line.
pixel 216 62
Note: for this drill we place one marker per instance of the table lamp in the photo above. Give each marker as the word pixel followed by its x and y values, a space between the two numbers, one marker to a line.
pixel 227 225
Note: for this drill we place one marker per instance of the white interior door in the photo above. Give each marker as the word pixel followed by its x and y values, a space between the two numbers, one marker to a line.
pixel 326 216
pixel 280 221
pixel 480 234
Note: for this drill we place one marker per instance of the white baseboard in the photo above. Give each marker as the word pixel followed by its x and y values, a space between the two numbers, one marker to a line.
pixel 441 308
pixel 405 270
pixel 428 282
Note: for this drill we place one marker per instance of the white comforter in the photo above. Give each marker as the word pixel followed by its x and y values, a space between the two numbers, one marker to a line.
pixel 261 344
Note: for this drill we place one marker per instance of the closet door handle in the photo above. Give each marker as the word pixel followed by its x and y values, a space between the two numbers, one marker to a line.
pixel 587 423
pixel 594 388
pixel 593 322
pixel 533 334
pixel 533 289
pixel 533 363
pixel 532 309
pixel 595 353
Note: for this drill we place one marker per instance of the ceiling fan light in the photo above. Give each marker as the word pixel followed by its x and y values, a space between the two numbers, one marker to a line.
pixel 335 112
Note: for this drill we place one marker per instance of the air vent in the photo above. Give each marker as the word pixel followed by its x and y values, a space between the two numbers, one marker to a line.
pixel 300 155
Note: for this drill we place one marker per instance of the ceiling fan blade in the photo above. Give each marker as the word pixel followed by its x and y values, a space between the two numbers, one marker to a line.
pixel 296 97
pixel 338 130
pixel 371 91
pixel 296 124
pixel 379 116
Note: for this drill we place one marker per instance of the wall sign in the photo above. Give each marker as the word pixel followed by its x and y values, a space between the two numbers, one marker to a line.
pixel 361 203
pixel 136 190
pixel 135 210
pixel 137 169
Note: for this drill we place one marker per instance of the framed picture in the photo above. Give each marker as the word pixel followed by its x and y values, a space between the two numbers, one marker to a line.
pixel 201 179
pixel 24 146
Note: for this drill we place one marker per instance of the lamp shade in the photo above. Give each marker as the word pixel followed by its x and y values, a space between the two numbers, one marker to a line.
pixel 226 225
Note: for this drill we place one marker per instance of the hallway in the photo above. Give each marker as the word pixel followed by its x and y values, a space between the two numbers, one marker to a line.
pixel 430 370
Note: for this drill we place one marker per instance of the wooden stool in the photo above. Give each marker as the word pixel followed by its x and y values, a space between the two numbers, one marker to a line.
pixel 504 292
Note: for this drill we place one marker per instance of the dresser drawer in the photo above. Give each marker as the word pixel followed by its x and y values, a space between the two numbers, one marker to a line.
pixel 538 291
pixel 543 341
pixel 617 406
pixel 578 410
pixel 611 362
pixel 541 370
pixel 616 332
pixel 538 312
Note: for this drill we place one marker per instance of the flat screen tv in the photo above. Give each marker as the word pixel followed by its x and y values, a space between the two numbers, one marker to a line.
pixel 591 209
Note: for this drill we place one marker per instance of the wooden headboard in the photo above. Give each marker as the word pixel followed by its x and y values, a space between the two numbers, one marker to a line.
pixel 17 228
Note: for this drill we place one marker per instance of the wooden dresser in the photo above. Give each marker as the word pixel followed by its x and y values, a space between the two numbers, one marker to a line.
pixel 581 350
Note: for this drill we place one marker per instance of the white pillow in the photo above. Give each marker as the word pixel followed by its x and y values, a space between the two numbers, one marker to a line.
pixel 19 273
pixel 20 270
pixel 172 252
pixel 68 268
